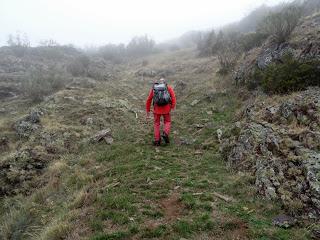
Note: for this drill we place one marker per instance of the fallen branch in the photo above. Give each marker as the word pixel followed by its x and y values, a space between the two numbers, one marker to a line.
pixel 225 198
pixel 112 185
pixel 197 194
pixel 136 114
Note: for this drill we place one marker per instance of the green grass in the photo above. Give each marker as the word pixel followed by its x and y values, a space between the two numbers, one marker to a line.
pixel 123 190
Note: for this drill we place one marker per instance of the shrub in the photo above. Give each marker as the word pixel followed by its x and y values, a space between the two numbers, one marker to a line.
pixel 289 75
pixel 225 45
pixel 79 67
pixel 140 46
pixel 112 52
pixel 251 40
pixel 228 50
pixel 206 43
pixel 310 7
pixel 41 83
pixel 227 60
pixel 281 24
pixel 137 47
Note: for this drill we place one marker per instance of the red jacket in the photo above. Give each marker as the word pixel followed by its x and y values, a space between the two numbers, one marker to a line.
pixel 161 109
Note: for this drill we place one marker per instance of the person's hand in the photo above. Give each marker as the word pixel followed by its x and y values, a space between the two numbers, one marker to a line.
pixel 148 117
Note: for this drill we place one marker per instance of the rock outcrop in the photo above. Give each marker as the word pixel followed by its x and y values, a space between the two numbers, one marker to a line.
pixel 303 43
pixel 278 141
pixel 19 170
pixel 30 123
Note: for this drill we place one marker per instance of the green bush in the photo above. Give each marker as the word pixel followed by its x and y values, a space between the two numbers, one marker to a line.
pixel 289 75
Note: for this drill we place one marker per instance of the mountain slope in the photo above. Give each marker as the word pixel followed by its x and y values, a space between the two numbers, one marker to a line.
pixel 73 188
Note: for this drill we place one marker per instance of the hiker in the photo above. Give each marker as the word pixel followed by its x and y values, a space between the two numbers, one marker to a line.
pixel 164 100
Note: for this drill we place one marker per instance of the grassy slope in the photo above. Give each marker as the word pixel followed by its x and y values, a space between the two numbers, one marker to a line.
pixel 130 190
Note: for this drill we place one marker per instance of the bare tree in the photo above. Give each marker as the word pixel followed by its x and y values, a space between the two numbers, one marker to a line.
pixel 18 40
pixel 281 24
pixel 140 46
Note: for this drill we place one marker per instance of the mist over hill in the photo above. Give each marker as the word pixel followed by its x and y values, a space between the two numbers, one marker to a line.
pixel 77 159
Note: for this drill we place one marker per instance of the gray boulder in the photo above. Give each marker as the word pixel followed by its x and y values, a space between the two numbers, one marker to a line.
pixel 28 124
pixel 103 135
pixel 284 221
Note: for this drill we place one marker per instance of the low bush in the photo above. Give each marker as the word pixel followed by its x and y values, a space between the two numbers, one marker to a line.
pixel 140 46
pixel 289 75
pixel 227 60
pixel 228 50
pixel 79 67
pixel 43 82
pixel 251 40
pixel 112 52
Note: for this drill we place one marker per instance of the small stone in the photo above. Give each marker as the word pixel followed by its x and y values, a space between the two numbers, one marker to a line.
pixel 284 221
pixel 238 124
pixel 103 135
pixel 186 141
pixel 195 102
pixel 89 121
pixel 109 140
pixel 315 233
pixel 199 126
pixel 72 99
pixel 198 152
pixel 219 134
pixel 271 193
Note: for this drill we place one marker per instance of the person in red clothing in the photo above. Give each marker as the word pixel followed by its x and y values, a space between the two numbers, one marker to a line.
pixel 161 108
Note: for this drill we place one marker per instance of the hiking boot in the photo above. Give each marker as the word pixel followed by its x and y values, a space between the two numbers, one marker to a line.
pixel 156 143
pixel 166 138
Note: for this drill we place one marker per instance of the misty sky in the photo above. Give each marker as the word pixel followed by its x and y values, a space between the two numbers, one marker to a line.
pixel 96 22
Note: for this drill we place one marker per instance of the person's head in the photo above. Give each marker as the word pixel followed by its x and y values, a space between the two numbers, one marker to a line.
pixel 160 81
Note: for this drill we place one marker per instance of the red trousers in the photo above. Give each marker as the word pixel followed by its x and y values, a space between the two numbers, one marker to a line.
pixel 156 124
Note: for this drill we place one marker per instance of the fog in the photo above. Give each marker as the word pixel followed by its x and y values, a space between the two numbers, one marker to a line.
pixel 98 22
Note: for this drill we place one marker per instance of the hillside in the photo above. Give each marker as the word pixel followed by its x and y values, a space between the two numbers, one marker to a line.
pixel 77 160
pixel 59 184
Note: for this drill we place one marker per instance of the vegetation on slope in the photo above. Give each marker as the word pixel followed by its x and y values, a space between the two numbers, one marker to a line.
pixel 130 190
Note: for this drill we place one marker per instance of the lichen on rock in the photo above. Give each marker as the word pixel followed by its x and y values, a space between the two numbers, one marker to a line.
pixel 280 150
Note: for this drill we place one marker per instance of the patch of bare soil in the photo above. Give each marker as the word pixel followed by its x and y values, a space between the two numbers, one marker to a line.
pixel 172 207
pixel 81 227
pixel 232 228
